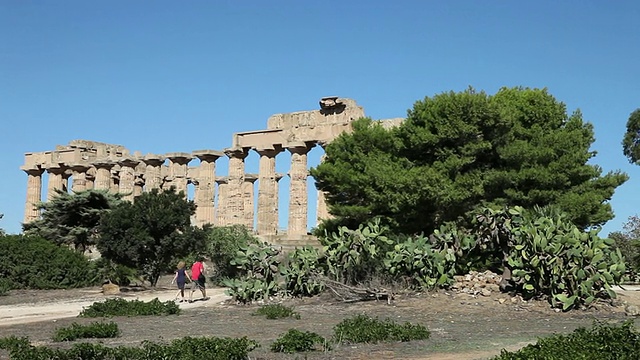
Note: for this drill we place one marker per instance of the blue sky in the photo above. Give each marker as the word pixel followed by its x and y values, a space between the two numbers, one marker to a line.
pixel 167 76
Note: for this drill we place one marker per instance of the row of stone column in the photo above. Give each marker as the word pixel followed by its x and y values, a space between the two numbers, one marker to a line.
pixel 235 198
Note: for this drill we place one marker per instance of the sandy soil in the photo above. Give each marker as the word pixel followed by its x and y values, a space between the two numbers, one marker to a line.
pixel 462 327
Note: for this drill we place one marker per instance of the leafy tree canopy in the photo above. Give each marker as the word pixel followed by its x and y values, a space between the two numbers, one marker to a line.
pixel 631 140
pixel 458 151
pixel 148 233
pixel 628 241
pixel 72 218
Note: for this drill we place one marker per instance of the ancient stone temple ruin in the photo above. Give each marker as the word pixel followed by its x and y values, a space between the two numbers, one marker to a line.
pixel 83 165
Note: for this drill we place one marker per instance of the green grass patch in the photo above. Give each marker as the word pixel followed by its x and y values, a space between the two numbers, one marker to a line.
pixel 364 329
pixel 96 330
pixel 600 342
pixel 208 348
pixel 277 311
pixel 299 341
pixel 122 307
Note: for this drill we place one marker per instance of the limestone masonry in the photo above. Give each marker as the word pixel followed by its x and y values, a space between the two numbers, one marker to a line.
pixel 83 165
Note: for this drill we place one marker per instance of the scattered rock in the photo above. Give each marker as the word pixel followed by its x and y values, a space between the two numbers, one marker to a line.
pixel 632 310
pixel 502 300
pixel 485 292
pixel 110 289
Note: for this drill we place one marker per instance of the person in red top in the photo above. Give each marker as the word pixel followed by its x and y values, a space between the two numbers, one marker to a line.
pixel 198 279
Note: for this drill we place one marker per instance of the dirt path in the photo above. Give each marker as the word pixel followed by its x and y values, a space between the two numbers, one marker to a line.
pixel 65 308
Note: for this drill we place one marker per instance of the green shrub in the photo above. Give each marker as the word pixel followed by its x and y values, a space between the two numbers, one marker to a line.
pixel 187 348
pixel 354 256
pixel 35 263
pixel 299 272
pixel 277 311
pixel 107 270
pixel 298 341
pixel 550 257
pixel 96 330
pixel 5 286
pixel 122 307
pixel 600 342
pixel 429 261
pixel 222 245
pixel 364 329
pixel 258 265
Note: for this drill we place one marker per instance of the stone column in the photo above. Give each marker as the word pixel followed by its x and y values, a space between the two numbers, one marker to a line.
pixel 152 173
pixel 127 178
pixel 56 174
pixel 65 180
pixel 79 177
pixel 205 186
pixel 90 178
pixel 114 184
pixel 298 195
pixel 235 202
pixel 138 186
pixel 103 175
pixel 322 212
pixel 247 195
pixel 267 192
pixel 221 210
pixel 178 171
pixel 34 194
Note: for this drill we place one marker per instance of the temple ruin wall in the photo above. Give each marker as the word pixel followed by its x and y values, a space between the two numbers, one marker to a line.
pixel 84 164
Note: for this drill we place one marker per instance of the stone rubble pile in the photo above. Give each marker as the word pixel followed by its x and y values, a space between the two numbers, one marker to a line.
pixel 477 283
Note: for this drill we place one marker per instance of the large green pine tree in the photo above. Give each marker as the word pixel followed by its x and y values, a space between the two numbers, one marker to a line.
pixel 72 218
pixel 458 151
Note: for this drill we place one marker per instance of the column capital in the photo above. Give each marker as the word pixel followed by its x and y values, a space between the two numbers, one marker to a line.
pixel 79 167
pixel 153 159
pixel 250 178
pixel 128 162
pixel 56 169
pixel 103 164
pixel 181 158
pixel 238 152
pixel 269 151
pixel 300 147
pixel 37 171
pixel 208 155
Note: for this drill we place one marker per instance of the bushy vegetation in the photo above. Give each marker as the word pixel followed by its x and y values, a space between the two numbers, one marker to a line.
pixel 148 234
pixel 109 271
pixel 206 348
pixel 96 330
pixel 543 254
pixel 222 243
pixel 277 311
pixel 364 329
pixel 28 262
pixel 299 341
pixel 628 241
pixel 72 218
pixel 122 307
pixel 601 342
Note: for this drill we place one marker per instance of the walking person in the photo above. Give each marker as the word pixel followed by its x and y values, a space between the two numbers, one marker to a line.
pixel 198 279
pixel 180 278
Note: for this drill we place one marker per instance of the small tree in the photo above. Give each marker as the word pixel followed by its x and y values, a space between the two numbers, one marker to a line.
pixel 72 219
pixel 148 233
pixel 631 140
pixel 2 232
pixel 223 244
pixel 628 241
